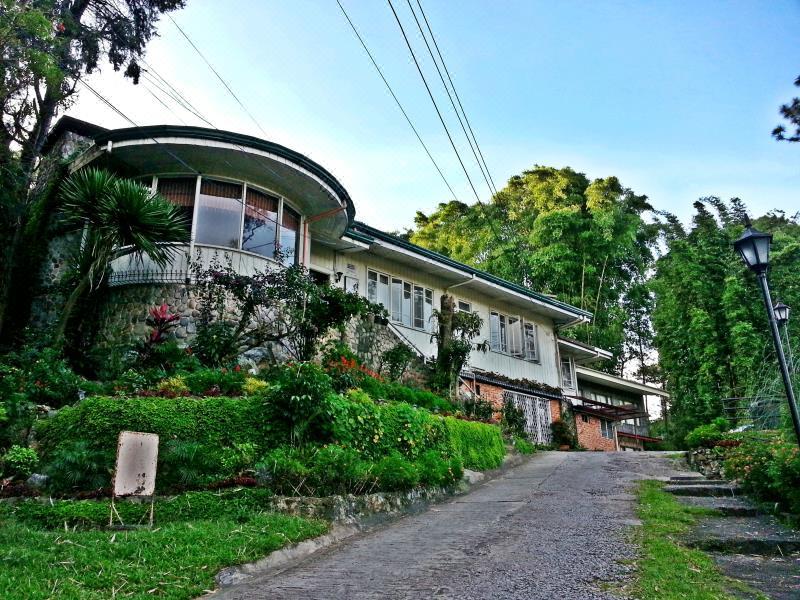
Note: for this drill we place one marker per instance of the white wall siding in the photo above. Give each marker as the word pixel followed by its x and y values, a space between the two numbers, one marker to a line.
pixel 545 370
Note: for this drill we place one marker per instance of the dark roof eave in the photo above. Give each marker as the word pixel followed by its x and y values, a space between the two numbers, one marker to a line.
pixel 238 139
pixel 70 124
pixel 511 385
pixel 380 235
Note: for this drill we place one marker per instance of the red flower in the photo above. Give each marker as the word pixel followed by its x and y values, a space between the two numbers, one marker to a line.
pixel 237 368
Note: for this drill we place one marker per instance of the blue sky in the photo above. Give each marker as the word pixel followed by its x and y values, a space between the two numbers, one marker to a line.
pixel 677 99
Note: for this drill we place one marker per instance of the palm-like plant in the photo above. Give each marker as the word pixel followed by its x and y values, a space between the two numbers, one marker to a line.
pixel 118 217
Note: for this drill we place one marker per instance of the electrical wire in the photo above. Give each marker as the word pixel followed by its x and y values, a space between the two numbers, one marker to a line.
pixel 450 97
pixel 213 70
pixel 433 100
pixel 455 92
pixel 397 101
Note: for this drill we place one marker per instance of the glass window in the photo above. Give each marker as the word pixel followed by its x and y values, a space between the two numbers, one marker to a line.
pixel 464 306
pixel 372 286
pixel 260 223
pixel 219 214
pixel 419 307
pixel 406 308
pixel 179 191
pixel 497 332
pixel 567 380
pixel 397 299
pixel 531 351
pixel 515 336
pixel 378 289
pixel 607 429
pixel 290 225
pixel 428 310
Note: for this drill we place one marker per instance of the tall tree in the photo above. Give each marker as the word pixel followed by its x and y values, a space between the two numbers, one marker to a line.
pixel 47 46
pixel 710 325
pixel 790 112
pixel 557 232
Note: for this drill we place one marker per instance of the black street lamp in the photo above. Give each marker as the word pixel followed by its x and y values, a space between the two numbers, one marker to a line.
pixel 781 313
pixel 753 247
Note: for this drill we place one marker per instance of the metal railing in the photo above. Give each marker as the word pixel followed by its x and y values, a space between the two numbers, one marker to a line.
pixel 643 430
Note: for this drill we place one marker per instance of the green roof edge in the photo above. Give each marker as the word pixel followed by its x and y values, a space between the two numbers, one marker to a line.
pixel 381 235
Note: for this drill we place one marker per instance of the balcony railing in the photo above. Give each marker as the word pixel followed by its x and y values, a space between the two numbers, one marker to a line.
pixel 643 430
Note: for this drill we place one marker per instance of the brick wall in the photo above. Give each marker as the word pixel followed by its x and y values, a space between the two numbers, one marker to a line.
pixel 590 436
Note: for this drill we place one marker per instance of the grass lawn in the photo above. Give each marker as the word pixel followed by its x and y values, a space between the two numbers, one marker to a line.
pixel 668 570
pixel 59 552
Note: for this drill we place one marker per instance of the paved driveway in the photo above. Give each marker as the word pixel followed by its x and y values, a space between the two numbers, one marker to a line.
pixel 553 528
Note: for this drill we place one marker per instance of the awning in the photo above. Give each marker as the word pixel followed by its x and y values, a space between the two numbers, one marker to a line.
pixel 610 412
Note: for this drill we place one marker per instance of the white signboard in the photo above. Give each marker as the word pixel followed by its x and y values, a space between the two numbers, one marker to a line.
pixel 137 454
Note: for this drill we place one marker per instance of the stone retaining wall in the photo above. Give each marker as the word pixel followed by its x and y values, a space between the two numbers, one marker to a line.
pixel 707 461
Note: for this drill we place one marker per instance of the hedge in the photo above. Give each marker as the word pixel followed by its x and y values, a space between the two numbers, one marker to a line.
pixel 479 446
pixel 211 426
pixel 220 421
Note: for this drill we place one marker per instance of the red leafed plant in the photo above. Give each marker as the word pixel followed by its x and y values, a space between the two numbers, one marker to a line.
pixel 161 320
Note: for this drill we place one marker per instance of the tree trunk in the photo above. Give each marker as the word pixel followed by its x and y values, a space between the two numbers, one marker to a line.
pixel 69 308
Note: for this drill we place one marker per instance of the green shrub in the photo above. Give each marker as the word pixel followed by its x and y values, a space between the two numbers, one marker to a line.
pixel 411 430
pixel 217 421
pixel 76 465
pixel 41 375
pixel 478 445
pixel 216 344
pixel 284 470
pixel 188 464
pixel 298 405
pixel 237 458
pixel 522 445
pixel 512 420
pixel 395 473
pixel 768 469
pixel 397 359
pixel 174 386
pixel 434 470
pixel 225 382
pixel 166 357
pixel 357 423
pixel 563 434
pixel 253 386
pixel 706 436
pixel 478 408
pixel 20 462
pixel 337 470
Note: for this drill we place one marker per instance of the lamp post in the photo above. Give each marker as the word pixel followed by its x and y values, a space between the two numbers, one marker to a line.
pixel 753 247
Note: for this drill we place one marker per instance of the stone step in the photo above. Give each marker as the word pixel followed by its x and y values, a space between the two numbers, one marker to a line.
pixel 698 482
pixel 677 478
pixel 709 489
pixel 763 535
pixel 729 507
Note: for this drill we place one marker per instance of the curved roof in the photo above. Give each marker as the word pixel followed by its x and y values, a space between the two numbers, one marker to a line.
pixel 200 150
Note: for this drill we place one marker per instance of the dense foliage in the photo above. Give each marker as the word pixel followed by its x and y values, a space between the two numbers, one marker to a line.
pixel 711 331
pixel 283 306
pixel 557 232
pixel 768 469
pixel 295 427
pixel 48 46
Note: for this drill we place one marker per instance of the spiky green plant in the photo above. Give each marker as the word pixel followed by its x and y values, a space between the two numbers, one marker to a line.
pixel 118 217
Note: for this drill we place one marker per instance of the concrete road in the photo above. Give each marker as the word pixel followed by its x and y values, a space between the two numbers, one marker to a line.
pixel 553 528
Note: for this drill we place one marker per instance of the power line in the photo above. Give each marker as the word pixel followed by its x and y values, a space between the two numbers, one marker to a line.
pixel 433 100
pixel 450 97
pixel 210 66
pixel 455 92
pixel 397 101
pixel 110 105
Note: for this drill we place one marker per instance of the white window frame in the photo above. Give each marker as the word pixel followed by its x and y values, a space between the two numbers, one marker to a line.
pixel 399 314
pixel 468 304
pixel 531 354
pixel 510 334
pixel 569 384
pixel 607 429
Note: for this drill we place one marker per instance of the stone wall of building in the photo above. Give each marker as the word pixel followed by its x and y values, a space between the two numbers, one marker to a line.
pixel 590 435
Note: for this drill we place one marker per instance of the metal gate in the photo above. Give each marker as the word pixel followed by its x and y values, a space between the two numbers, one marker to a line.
pixel 537 416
